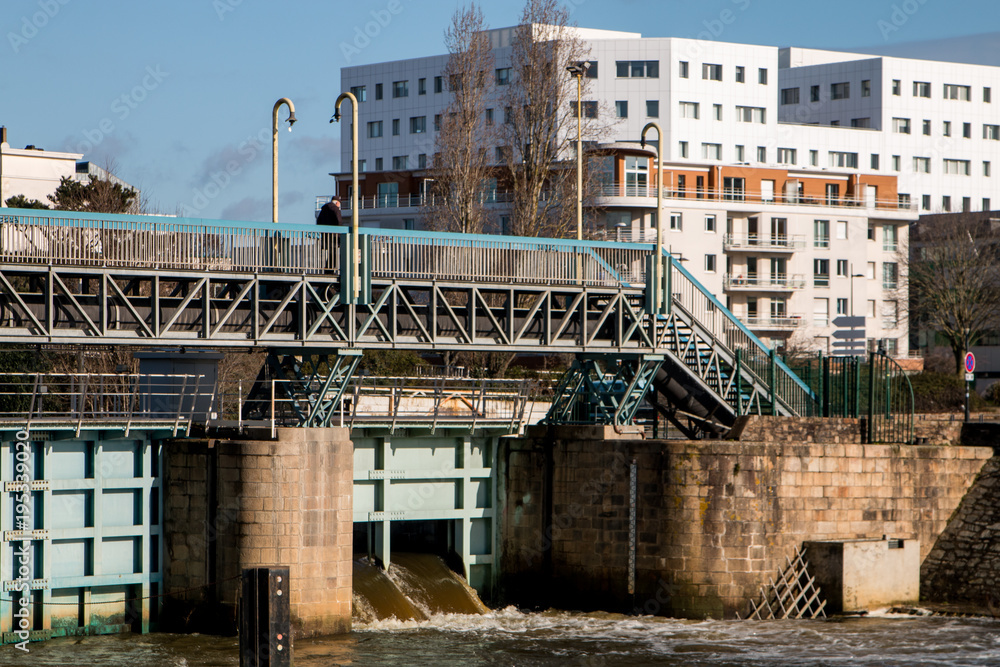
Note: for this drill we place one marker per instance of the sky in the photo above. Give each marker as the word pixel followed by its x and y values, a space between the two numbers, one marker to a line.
pixel 177 91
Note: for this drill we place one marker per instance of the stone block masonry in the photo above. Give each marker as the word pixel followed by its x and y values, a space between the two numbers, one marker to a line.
pixel 248 503
pixel 713 519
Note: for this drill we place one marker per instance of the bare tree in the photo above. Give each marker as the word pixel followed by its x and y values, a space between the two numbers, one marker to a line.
pixel 461 165
pixel 953 270
pixel 540 115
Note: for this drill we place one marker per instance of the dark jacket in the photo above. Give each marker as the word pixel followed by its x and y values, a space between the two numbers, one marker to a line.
pixel 330 215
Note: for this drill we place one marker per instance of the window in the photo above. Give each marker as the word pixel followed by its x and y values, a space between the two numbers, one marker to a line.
pixel 710 223
pixel 762 76
pixel 922 165
pixel 709 263
pixel 842 230
pixel 711 151
pixel 717 111
pixel 946 203
pixel 821 233
pixel 927 127
pixel 890 240
pixel 960 167
pixel 921 89
pixel 682 148
pixel 683 69
pixel 589 109
pixel 418 124
pixel 946 128
pixel 750 114
pixel 874 162
pixel 842 267
pixel 896 87
pixel 676 222
pixel 896 161
pixel 789 95
pixel 733 189
pixel 388 194
pixel 362 165
pixel 621 108
pixel 437 122
pixel 967 130
pixel 681 185
pixel 986 170
pixel 689 109
pixel 986 203
pixel 652 108
pixel 439 84
pixel 489 116
pixel 421 86
pixel 359 93
pixel 399 162
pixel 821 273
pixel 740 153
pixel 395 127
pixel 378 91
pixel 840 91
pixel 638 69
pixel 987 95
pixel 786 156
pixel 761 154
pixel 814 93
pixel 901 125
pixel 866 88
pixel 503 76
pixel 861 122
pixel 400 89
pixel 711 72
pixel 925 202
pixel 422 161
pixel 841 159
pixel 903 200
pixel 890 275
pixel 842 306
pixel 378 164
pixel 870 272
pixel 814 158
pixel 955 92
pixel 739 73
pixel 991 132
pixel 375 129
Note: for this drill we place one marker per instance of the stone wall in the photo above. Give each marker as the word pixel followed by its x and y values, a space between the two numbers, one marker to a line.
pixel 714 519
pixel 964 565
pixel 237 504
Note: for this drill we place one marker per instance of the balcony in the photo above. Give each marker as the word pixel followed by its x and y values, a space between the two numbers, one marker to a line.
pixel 753 282
pixel 759 243
pixel 774 323
pixel 394 201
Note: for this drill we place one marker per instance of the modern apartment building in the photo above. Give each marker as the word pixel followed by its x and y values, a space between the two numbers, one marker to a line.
pixel 790 174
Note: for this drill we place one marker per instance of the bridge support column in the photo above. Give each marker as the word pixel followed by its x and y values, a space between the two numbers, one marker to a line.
pixel 251 503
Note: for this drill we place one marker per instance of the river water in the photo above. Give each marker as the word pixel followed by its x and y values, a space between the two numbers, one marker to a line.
pixel 509 637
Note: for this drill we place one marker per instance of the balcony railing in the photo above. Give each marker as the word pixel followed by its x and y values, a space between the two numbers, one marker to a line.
pixel 747 196
pixel 774 322
pixel 755 282
pixel 409 200
pixel 768 243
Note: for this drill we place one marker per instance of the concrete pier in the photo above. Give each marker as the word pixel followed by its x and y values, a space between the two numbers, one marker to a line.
pixel 247 503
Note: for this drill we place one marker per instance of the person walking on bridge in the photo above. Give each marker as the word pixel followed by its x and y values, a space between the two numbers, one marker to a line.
pixel 330 213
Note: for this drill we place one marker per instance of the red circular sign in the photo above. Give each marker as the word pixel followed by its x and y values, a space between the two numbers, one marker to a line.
pixel 970 362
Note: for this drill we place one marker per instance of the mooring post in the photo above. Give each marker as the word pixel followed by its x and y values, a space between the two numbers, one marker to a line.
pixel 265 621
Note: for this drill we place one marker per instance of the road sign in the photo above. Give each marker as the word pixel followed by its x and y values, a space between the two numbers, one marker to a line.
pixel 970 377
pixel 849 321
pixel 849 334
pixel 970 362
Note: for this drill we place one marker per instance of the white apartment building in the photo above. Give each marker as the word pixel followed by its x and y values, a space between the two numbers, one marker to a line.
pixel 884 138
pixel 31 171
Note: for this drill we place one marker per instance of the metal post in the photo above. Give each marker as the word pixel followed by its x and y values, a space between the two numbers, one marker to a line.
pixel 738 380
pixel 770 383
pixel 659 299
pixel 871 397
pixel 274 151
pixel 355 213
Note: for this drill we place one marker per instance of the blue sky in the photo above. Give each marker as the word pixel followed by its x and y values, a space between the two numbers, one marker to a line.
pixel 175 90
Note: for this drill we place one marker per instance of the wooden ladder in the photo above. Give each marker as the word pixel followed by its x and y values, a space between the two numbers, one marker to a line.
pixel 794 595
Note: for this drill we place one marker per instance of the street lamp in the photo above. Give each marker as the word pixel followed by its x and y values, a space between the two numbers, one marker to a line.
pixel 658 263
pixel 853 276
pixel 355 250
pixel 274 150
pixel 578 70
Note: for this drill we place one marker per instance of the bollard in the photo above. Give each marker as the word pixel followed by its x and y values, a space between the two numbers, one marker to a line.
pixel 265 625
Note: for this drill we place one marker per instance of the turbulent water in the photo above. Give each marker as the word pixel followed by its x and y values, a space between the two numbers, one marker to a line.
pixel 509 637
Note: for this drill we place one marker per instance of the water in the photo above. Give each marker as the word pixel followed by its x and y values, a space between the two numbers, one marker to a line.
pixel 509 637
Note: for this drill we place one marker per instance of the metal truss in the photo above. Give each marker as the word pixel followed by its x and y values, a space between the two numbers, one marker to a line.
pixel 588 394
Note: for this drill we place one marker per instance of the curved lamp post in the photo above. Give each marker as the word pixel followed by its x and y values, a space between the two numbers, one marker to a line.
pixel 658 269
pixel 355 272
pixel 578 70
pixel 274 150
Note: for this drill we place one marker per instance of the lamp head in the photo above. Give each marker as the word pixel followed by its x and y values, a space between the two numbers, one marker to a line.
pixel 336 116
pixel 291 120
pixel 642 141
pixel 578 69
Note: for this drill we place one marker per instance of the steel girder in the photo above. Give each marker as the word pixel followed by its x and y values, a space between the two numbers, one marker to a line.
pixel 589 394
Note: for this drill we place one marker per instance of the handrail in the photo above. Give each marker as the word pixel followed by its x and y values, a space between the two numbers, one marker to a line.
pixel 748 196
